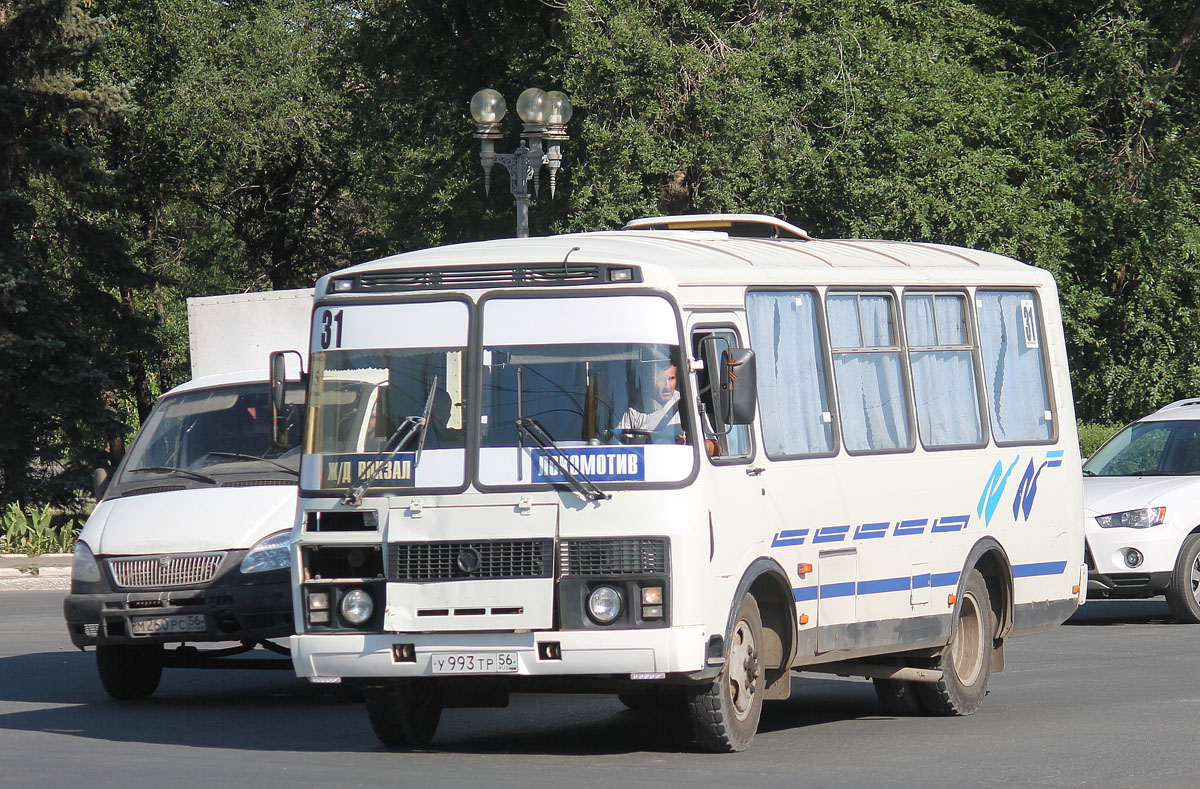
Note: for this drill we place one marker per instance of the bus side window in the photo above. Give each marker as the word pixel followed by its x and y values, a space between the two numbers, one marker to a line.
pixel 1014 369
pixel 721 442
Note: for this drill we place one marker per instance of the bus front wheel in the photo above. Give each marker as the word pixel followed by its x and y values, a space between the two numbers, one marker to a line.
pixel 404 712
pixel 724 713
pixel 966 661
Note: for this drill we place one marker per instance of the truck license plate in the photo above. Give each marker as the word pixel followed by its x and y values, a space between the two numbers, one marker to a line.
pixel 474 662
pixel 166 625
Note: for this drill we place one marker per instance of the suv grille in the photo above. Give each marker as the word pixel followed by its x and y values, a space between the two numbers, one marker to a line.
pixel 630 556
pixel 445 561
pixel 184 569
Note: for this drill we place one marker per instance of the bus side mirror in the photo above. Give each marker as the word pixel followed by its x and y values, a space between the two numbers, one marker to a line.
pixel 278 377
pixel 736 400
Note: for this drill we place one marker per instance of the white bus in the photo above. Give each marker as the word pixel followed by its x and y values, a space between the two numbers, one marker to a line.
pixel 677 462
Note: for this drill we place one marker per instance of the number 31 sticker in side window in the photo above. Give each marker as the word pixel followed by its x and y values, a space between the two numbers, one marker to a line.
pixel 331 334
pixel 1028 322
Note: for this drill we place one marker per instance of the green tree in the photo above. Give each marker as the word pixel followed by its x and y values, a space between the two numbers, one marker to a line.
pixel 64 333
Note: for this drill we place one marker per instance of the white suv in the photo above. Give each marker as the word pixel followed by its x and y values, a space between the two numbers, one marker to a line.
pixel 1142 510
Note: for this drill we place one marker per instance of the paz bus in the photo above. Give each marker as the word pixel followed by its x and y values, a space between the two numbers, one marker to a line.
pixel 678 462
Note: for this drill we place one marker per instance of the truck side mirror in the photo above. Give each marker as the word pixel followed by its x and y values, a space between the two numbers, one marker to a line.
pixel 735 402
pixel 278 378
pixel 99 482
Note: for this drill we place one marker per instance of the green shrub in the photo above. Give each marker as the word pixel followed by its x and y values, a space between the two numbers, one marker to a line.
pixel 33 531
pixel 1092 436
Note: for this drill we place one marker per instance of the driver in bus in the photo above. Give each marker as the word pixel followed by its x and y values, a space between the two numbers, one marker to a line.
pixel 661 420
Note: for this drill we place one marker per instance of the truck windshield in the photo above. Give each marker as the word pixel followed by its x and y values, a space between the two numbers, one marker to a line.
pixel 208 436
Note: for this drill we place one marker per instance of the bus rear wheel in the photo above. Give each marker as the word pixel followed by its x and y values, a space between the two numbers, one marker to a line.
pixel 404 713
pixel 724 713
pixel 966 662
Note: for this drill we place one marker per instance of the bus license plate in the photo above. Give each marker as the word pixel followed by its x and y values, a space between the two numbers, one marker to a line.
pixel 166 625
pixel 473 662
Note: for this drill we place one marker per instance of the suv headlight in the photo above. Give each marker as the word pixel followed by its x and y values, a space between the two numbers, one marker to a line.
pixel 85 568
pixel 270 553
pixel 1133 519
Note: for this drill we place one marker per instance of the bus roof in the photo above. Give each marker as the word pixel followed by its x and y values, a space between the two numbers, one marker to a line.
pixel 699 257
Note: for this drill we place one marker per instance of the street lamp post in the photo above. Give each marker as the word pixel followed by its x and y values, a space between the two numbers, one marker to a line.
pixel 544 115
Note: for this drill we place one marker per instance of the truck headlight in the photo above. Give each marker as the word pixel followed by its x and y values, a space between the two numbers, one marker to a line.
pixel 1133 519
pixel 84 569
pixel 269 553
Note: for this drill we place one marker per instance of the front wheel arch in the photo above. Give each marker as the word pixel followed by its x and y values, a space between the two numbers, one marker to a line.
pixel 766 580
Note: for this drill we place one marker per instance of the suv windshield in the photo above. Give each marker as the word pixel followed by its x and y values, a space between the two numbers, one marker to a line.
pixel 205 436
pixel 1166 448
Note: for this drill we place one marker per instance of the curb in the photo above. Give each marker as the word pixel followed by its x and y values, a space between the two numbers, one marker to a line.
pixel 36 572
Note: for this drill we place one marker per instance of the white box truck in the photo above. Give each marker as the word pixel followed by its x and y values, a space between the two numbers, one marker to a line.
pixel 189 541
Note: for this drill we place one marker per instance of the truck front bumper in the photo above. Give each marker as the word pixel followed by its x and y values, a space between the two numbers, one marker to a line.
pixel 243 612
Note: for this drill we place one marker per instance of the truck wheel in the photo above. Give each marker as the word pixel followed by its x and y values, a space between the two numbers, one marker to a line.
pixel 898 697
pixel 1183 595
pixel 404 712
pixel 966 661
pixel 129 672
pixel 724 713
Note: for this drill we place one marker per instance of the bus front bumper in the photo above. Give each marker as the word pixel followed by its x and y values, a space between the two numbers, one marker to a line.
pixel 543 653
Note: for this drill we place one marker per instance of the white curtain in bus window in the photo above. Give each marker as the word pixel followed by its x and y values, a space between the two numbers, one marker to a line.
pixel 943 375
pixel 1013 368
pixel 793 399
pixel 866 368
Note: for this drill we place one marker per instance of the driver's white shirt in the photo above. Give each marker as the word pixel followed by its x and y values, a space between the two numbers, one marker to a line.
pixel 634 419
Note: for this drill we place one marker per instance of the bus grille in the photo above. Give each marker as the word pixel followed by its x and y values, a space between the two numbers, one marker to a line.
pixel 447 561
pixel 482 276
pixel 146 572
pixel 625 556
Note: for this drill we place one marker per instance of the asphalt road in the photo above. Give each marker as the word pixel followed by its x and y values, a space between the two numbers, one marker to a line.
pixel 1110 699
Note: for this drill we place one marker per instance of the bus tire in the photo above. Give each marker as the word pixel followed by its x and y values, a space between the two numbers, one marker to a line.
pixel 404 713
pixel 966 661
pixel 1183 595
pixel 129 672
pixel 898 697
pixel 724 713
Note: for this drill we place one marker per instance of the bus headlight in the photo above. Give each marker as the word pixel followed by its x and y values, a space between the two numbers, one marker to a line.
pixel 357 606
pixel 269 553
pixel 604 604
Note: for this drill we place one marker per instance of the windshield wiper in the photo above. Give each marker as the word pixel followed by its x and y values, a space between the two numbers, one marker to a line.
pixel 578 481
pixel 240 456
pixel 408 427
pixel 173 470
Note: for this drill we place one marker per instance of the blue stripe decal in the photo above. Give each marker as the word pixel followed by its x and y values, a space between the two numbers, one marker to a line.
pixel 837 590
pixel 805 593
pixel 921 581
pixel 944 579
pixel 1038 568
pixel 884 585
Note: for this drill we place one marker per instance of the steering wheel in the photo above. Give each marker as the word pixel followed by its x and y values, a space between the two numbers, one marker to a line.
pixel 633 435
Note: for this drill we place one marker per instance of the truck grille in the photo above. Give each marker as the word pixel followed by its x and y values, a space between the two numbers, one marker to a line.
pixel 147 572
pixel 446 561
pixel 627 556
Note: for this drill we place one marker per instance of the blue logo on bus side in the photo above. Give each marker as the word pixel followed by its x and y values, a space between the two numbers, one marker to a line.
pixel 1022 504
pixel 599 464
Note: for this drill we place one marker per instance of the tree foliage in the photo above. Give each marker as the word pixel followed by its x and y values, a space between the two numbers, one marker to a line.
pixel 223 145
